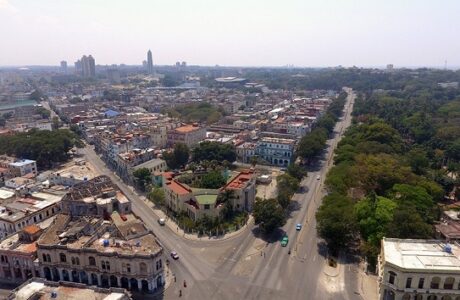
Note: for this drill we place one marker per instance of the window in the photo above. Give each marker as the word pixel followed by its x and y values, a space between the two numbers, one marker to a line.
pixel 105 265
pixel 92 261
pixel 392 277
pixel 408 283
pixel 421 282
pixel 435 283
pixel 207 206
pixel 75 261
pixel 62 257
pixel 44 257
pixel 128 268
pixel 143 268
pixel 449 283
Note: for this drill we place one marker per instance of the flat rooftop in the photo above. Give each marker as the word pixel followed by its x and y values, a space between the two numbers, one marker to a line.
pixel 42 290
pixel 80 172
pixel 206 199
pixel 122 234
pixel 421 255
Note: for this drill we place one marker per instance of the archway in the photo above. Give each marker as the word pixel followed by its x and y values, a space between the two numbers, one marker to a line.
pixel 145 285
pixel 75 277
pixel 65 275
pixel 94 280
pixel 83 277
pixel 55 274
pixel 432 297
pixel 47 273
pixel 124 283
pixel 388 295
pixel 159 281
pixel 134 286
pixel 446 297
pixel 105 280
pixel 113 281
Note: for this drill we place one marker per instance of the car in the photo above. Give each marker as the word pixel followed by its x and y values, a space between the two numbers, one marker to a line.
pixel 318 177
pixel 174 255
pixel 161 221
pixel 298 227
pixel 284 241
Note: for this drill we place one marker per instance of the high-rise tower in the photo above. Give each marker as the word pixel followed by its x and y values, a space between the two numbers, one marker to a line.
pixel 149 62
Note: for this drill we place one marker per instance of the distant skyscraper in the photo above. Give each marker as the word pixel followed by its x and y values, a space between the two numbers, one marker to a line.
pixel 78 67
pixel 88 66
pixel 64 66
pixel 149 62
pixel 144 64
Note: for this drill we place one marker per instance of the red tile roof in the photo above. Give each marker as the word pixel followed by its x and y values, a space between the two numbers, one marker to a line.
pixel 240 180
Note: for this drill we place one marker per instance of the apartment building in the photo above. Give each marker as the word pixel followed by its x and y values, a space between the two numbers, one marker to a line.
pixel 189 135
pixel 419 270
pixel 18 212
pixel 118 252
pixel 276 151
pixel 18 253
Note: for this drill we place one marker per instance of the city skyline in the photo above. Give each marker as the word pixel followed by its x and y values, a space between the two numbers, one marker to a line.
pixel 258 33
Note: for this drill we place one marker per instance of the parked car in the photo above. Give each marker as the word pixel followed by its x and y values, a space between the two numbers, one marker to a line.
pixel 162 221
pixel 284 241
pixel 318 177
pixel 174 255
pixel 298 227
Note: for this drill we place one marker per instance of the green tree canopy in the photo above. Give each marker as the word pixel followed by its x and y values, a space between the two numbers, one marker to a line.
pixel 268 214
pixel 178 157
pixel 214 151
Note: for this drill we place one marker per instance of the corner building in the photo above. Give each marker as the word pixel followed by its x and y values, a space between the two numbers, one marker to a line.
pixel 419 270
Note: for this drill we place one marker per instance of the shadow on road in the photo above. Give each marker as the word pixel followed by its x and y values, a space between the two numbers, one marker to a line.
pixel 271 238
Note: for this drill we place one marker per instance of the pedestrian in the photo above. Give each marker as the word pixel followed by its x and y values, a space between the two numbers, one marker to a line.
pixel 261 253
pixel 180 293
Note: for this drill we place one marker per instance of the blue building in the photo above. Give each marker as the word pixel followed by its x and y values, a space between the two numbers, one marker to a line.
pixel 275 151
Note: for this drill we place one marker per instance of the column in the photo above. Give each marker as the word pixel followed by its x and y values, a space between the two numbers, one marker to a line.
pixel 13 275
pixel 90 279
pixel 60 274
pixel 118 281
pixel 70 275
pixel 99 283
pixel 139 285
pixel 129 284
pixel 150 286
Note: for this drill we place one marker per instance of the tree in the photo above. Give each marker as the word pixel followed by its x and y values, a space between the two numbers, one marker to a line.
pixel 296 171
pixel 287 186
pixel 336 222
pixel 254 161
pixel 268 214
pixel 214 151
pixel 157 196
pixel 417 197
pixel 178 157
pixel 44 146
pixel 212 180
pixel 143 177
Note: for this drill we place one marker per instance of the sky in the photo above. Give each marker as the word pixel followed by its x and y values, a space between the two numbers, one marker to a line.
pixel 303 33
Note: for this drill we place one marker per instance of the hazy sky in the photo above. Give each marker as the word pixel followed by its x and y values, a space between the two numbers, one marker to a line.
pixel 232 32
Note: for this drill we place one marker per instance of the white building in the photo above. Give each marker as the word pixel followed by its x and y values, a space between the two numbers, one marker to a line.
pixel 419 270
pixel 23 167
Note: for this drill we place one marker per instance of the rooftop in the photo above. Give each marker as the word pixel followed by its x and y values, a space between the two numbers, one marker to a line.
pixel 187 128
pixel 41 289
pixel 80 172
pixel 122 235
pixel 240 180
pixel 206 199
pixel 277 140
pixel 22 162
pixel 421 254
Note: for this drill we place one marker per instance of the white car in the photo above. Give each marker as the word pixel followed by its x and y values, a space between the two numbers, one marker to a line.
pixel 161 221
pixel 318 177
pixel 174 255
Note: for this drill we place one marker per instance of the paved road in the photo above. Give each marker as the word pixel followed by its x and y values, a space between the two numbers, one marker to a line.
pixel 247 267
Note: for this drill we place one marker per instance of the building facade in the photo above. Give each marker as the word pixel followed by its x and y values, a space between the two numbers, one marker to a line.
pixel 276 151
pixel 419 270
pixel 189 135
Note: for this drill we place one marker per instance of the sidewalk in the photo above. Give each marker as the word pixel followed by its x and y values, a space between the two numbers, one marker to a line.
pixel 367 285
pixel 194 237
